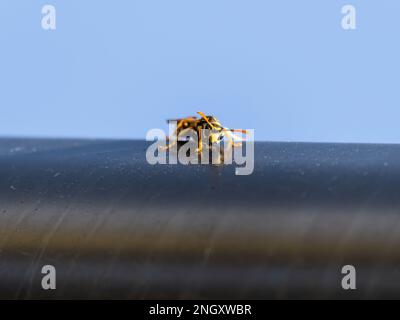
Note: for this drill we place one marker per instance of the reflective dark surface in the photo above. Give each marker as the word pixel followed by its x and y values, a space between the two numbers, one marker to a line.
pixel 116 227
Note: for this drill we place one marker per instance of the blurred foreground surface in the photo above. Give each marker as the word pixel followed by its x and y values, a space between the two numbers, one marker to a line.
pixel 116 227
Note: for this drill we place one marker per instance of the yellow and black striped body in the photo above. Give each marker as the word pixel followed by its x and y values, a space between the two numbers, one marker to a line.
pixel 216 131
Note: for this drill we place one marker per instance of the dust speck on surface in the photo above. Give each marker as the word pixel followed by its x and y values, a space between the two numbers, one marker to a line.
pixel 16 149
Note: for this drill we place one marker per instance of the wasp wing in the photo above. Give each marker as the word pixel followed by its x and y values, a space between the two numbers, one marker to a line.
pixel 177 120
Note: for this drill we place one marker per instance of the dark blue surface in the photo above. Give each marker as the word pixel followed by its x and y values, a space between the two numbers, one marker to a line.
pixel 115 226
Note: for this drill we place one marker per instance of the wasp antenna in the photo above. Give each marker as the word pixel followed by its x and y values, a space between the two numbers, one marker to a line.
pixel 205 118
pixel 240 130
pixel 236 130
pixel 234 136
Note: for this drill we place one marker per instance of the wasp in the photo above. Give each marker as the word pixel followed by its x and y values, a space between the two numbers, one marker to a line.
pixel 217 131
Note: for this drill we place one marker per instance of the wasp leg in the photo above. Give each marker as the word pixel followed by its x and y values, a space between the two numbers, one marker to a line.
pixel 230 143
pixel 184 131
pixel 170 145
pixel 231 138
pixel 200 144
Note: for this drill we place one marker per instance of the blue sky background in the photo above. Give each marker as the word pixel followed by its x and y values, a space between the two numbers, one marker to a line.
pixel 118 68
